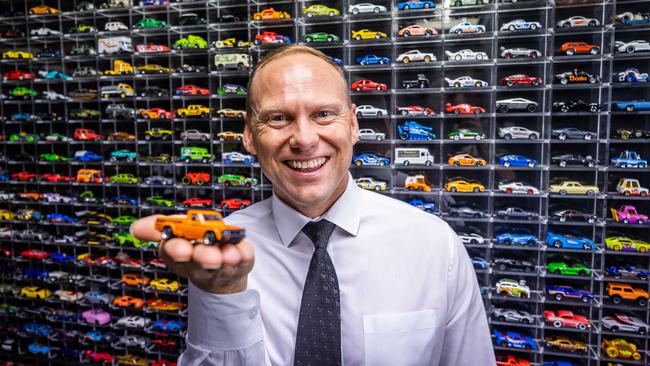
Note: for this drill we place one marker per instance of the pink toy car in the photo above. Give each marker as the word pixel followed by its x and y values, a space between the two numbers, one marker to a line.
pixel 96 316
pixel 627 214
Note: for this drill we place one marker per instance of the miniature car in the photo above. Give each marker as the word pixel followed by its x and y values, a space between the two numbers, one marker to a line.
pixel 513 212
pixel 576 105
pixel 190 41
pixel 464 159
pixel 578 21
pixel 465 134
pixel 569 241
pixel 370 183
pixel 621 349
pixel 512 288
pixel 513 340
pixel 414 110
pixel 576 76
pixel 372 59
pixel 463 108
pixel 467 27
pixel 516 236
pixel 466 81
pixel 270 13
pixel 369 110
pixel 517 161
pixel 466 211
pixel 574 159
pixel 362 34
pixel 465 55
pixel 515 104
pixel 362 8
pixel 368 85
pixel 509 53
pixel 416 30
pixel 573 187
pixel 511 315
pixel 415 56
pixel 625 323
pixel 415 4
pixel 165 284
pixel 520 24
pixel 631 46
pixel 631 106
pixel 471 238
pixel 568 292
pixel 464 185
pixel 370 160
pixel 562 343
pixel 520 79
pixel 421 82
pixel 517 132
pixel 632 18
pixel 232 89
pixel 627 159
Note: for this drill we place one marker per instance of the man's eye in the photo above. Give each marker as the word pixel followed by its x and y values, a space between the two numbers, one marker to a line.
pixel 324 114
pixel 277 118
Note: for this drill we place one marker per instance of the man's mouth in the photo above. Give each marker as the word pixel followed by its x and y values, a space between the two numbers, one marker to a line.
pixel 307 165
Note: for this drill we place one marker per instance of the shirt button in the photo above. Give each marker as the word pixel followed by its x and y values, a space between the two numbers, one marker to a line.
pixel 252 313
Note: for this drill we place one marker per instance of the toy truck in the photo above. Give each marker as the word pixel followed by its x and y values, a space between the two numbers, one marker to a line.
pixel 629 159
pixel 196 178
pixel 412 130
pixel 119 68
pixel 194 110
pixel 193 154
pixel 627 214
pixel 112 45
pixel 421 82
pixel 631 187
pixel 90 176
pixel 204 225
pixel 623 291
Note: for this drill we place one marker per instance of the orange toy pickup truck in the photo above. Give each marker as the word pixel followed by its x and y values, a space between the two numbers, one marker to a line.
pixel 204 225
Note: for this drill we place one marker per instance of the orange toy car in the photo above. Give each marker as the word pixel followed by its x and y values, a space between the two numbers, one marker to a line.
pixel 270 13
pixel 464 159
pixel 204 225
pixel 160 304
pixel 623 291
pixel 417 183
pixel 576 48
pixel 135 280
pixel 128 301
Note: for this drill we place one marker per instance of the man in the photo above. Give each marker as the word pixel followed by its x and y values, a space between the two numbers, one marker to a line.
pixel 396 285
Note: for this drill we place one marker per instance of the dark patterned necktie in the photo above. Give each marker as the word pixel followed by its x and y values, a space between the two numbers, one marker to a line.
pixel 318 340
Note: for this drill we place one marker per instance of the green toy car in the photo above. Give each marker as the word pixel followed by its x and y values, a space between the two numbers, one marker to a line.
pixel 145 244
pixel 85 114
pixel 53 157
pixel 563 268
pixel 22 92
pixel 193 154
pixel 465 134
pixel 23 137
pixel 191 41
pixel 320 37
pixel 158 134
pixel 124 220
pixel 160 201
pixel 124 238
pixel 124 178
pixel 148 23
pixel 236 180
pixel 54 137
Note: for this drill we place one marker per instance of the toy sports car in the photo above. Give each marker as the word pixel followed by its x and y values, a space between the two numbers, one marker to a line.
pixel 417 4
pixel 514 104
pixel 465 82
pixel 632 46
pixel 415 56
pixel 520 24
pixel 521 79
pixel 463 108
pixel 366 8
pixel 371 184
pixel 578 21
pixel 467 27
pixel 368 85
pixel 372 59
pixel 517 160
pixel 513 340
pixel 569 241
pixel 369 159
pixel 562 292
pixel 519 52
pixel 631 105
pixel 465 55
pixel 367 34
pixel 576 77
pixel 366 110
pixel 416 30
pixel 320 37
pixel 633 75
pixel 576 105
pixel 464 159
pixel 517 237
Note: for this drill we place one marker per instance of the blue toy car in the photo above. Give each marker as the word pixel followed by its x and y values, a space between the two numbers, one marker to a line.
pixel 569 241
pixel 423 205
pixel 95 336
pixel 632 105
pixel 513 340
pixel 336 60
pixel 68 352
pixel 34 329
pixel 61 258
pixel 38 349
pixel 627 270
pixel 63 315
pixel 370 160
pixel 518 237
pixel 54 74
pixel 124 200
pixel 61 218
pixel 415 4
pixel 167 326
pixel 411 130
pixel 629 159
pixel 371 59
pixel 98 297
pixel 561 292
pixel 23 117
pixel 47 53
pixel 517 160
pixel 35 274
pixel 480 263
pixel 86 156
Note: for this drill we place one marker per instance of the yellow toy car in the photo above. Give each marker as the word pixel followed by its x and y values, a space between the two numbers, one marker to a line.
pixel 194 110
pixel 230 136
pixel 573 187
pixel 153 69
pixel 7 215
pixel 270 13
pixel 464 185
pixel 367 34
pixel 231 42
pixel 231 113
pixel 565 344
pixel 17 55
pixel 119 68
pixel 319 9
pixel 165 284
pixel 623 243
pixel 35 292
pixel 621 349
pixel 43 9
pixel 131 360
pixel 464 159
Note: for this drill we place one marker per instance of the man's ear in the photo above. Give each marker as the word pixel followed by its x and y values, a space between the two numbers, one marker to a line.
pixel 248 138
pixel 354 126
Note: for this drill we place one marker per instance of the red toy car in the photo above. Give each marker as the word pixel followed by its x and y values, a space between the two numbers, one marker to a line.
pixel 520 79
pixel 157 263
pixel 125 261
pixel 164 343
pixel 270 38
pixel 566 318
pixel 160 304
pixel 235 204
pixel 104 261
pixel 150 47
pixel 17 75
pixel 191 90
pixel 415 110
pixel 35 254
pixel 98 357
pixel 24 176
pixel 196 202
pixel 155 113
pixel 54 178
pixel 86 134
pixel 511 360
pixel 366 84
pixel 162 363
pixel 463 108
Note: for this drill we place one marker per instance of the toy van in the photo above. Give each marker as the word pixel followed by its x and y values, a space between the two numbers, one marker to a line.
pixel 413 155
pixel 114 45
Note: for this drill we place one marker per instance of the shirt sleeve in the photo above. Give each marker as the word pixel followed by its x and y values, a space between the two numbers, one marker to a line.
pixel 223 330
pixel 467 324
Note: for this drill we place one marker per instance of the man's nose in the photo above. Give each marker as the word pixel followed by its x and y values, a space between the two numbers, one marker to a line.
pixel 304 135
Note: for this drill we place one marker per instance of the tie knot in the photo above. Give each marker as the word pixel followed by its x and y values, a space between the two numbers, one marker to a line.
pixel 319 232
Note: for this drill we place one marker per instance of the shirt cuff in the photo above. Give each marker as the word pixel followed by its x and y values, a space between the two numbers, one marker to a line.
pixel 224 322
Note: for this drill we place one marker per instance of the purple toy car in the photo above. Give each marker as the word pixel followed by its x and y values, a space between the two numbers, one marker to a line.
pixel 96 316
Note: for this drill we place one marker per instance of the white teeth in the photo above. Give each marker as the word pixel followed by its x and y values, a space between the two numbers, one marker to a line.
pixel 316 163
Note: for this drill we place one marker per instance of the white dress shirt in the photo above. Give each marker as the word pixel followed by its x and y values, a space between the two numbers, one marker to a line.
pixel 409 294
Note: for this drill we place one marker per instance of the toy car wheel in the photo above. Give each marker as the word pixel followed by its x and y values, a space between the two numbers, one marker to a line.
pixel 630 49
pixel 453 189
pixel 506 164
pixel 503 108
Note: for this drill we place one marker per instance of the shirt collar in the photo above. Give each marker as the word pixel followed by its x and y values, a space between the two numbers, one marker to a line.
pixel 344 213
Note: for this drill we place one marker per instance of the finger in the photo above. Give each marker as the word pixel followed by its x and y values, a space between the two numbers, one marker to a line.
pixel 176 250
pixel 145 228
pixel 207 256
pixel 231 255
pixel 246 251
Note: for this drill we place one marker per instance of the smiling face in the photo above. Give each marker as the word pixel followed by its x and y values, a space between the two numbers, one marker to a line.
pixel 302 129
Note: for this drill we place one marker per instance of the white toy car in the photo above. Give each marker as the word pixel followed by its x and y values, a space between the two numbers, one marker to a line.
pixel 519 52
pixel 466 54
pixel 578 21
pixel 633 75
pixel 366 8
pixel 69 295
pixel 513 288
pixel 471 238
pixel 466 82
pixel 57 197
pixel 52 95
pixel 115 26
pixel 44 31
pixel 370 183
pixel 517 132
pixel 369 110
pixel 632 46
pixel 236 157
pixel 514 104
pixel 131 341
pixel 416 56
pixel 467 27
pixel 133 321
pixel 517 188
pixel 370 134
pixel 625 323
pixel 520 24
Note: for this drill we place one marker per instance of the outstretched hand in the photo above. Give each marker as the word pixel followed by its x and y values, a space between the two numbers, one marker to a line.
pixel 218 269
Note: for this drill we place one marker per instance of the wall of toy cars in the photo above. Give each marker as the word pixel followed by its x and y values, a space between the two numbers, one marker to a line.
pixel 524 124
